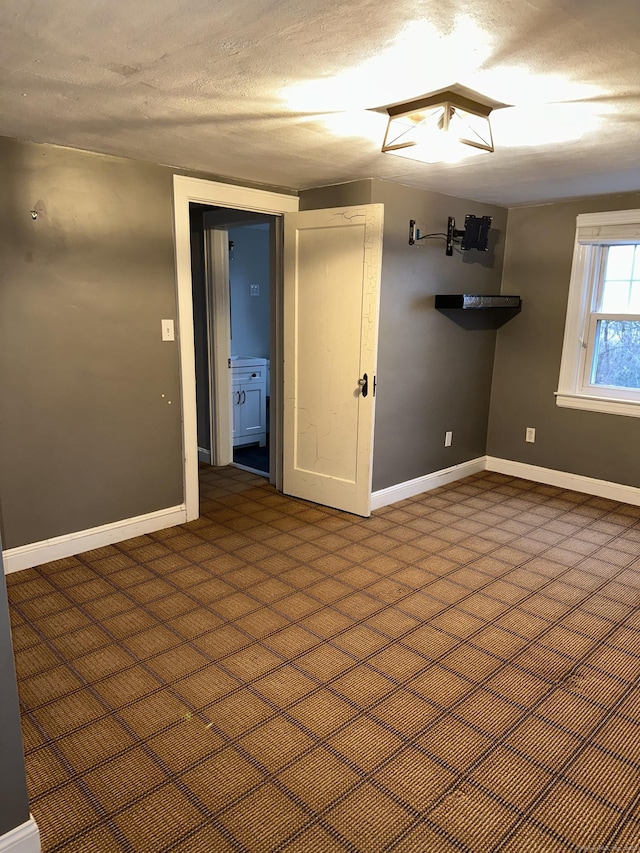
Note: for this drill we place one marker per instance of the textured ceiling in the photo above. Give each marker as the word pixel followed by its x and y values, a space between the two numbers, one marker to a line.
pixel 284 92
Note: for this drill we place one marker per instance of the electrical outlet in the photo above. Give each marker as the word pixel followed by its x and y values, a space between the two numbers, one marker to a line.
pixel 448 438
pixel 254 290
pixel 530 435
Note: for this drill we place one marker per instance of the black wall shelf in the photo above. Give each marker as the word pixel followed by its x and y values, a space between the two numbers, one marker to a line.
pixel 475 311
pixel 470 301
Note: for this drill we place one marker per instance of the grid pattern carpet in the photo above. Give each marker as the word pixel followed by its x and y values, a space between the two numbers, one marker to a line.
pixel 458 672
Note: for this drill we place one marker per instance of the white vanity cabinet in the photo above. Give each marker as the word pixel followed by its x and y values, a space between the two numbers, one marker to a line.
pixel 249 399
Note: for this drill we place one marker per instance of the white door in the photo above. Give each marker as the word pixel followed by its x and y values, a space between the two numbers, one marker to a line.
pixel 332 265
pixel 219 324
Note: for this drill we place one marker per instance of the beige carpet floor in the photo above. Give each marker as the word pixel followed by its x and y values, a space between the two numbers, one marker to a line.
pixel 457 673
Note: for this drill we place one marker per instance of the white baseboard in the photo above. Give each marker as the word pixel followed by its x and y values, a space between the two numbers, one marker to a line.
pixel 23 839
pixel 565 480
pixel 411 488
pixel 548 476
pixel 36 553
pixel 204 455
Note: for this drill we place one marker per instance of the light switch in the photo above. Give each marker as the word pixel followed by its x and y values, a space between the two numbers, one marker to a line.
pixel 255 290
pixel 167 330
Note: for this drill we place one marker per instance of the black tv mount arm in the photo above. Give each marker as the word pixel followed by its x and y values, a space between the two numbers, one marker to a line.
pixel 474 235
pixel 453 234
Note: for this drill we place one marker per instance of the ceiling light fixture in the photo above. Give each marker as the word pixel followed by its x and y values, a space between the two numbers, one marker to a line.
pixel 445 126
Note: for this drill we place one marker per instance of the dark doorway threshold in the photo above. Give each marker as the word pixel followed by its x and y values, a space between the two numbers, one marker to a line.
pixel 253 456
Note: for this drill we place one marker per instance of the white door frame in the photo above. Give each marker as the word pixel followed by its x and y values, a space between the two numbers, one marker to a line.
pixel 186 190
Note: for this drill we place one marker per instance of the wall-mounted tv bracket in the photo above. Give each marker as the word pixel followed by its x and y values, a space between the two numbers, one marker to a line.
pixel 475 234
pixel 415 235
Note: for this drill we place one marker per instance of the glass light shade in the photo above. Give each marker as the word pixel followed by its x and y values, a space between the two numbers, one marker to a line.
pixel 441 128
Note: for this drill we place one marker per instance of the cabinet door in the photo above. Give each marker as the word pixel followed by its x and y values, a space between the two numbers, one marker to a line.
pixel 252 409
pixel 236 409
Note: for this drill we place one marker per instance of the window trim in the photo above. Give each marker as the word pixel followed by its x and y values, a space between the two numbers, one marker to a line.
pixel 593 231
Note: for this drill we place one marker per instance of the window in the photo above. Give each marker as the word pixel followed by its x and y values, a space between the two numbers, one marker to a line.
pixel 600 368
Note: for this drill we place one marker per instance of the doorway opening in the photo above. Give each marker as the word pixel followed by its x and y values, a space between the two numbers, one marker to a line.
pixel 187 190
pixel 234 263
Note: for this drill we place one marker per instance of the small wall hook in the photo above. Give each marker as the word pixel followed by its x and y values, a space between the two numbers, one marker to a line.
pixel 34 214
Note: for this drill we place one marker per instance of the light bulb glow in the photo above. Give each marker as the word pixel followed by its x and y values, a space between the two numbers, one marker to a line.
pixel 542 108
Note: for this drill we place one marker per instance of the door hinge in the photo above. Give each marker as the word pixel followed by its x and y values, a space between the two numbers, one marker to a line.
pixel 375 383
pixel 228 362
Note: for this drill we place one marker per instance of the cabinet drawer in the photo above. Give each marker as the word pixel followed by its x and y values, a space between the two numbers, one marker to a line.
pixel 248 374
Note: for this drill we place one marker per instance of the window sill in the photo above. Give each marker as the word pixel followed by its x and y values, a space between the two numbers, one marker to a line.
pixel 630 408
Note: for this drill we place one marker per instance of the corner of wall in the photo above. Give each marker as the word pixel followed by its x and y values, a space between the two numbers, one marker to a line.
pixel 490 415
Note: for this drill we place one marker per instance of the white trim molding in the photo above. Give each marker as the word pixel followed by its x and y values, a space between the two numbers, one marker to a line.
pixel 411 488
pixel 36 553
pixel 548 476
pixel 630 408
pixel 565 480
pixel 608 226
pixel 22 839
pixel 26 556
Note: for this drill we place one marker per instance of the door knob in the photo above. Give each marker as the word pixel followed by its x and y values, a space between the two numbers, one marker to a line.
pixel 364 385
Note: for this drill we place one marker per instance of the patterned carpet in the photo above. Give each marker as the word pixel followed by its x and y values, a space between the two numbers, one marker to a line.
pixel 457 673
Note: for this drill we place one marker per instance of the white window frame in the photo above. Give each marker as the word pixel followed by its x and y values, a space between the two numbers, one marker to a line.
pixel 593 232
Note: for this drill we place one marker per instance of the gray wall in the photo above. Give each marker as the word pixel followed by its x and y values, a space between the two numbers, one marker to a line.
pixel 337 195
pixel 250 323
pixel 87 434
pixel 14 807
pixel 538 258
pixel 434 375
